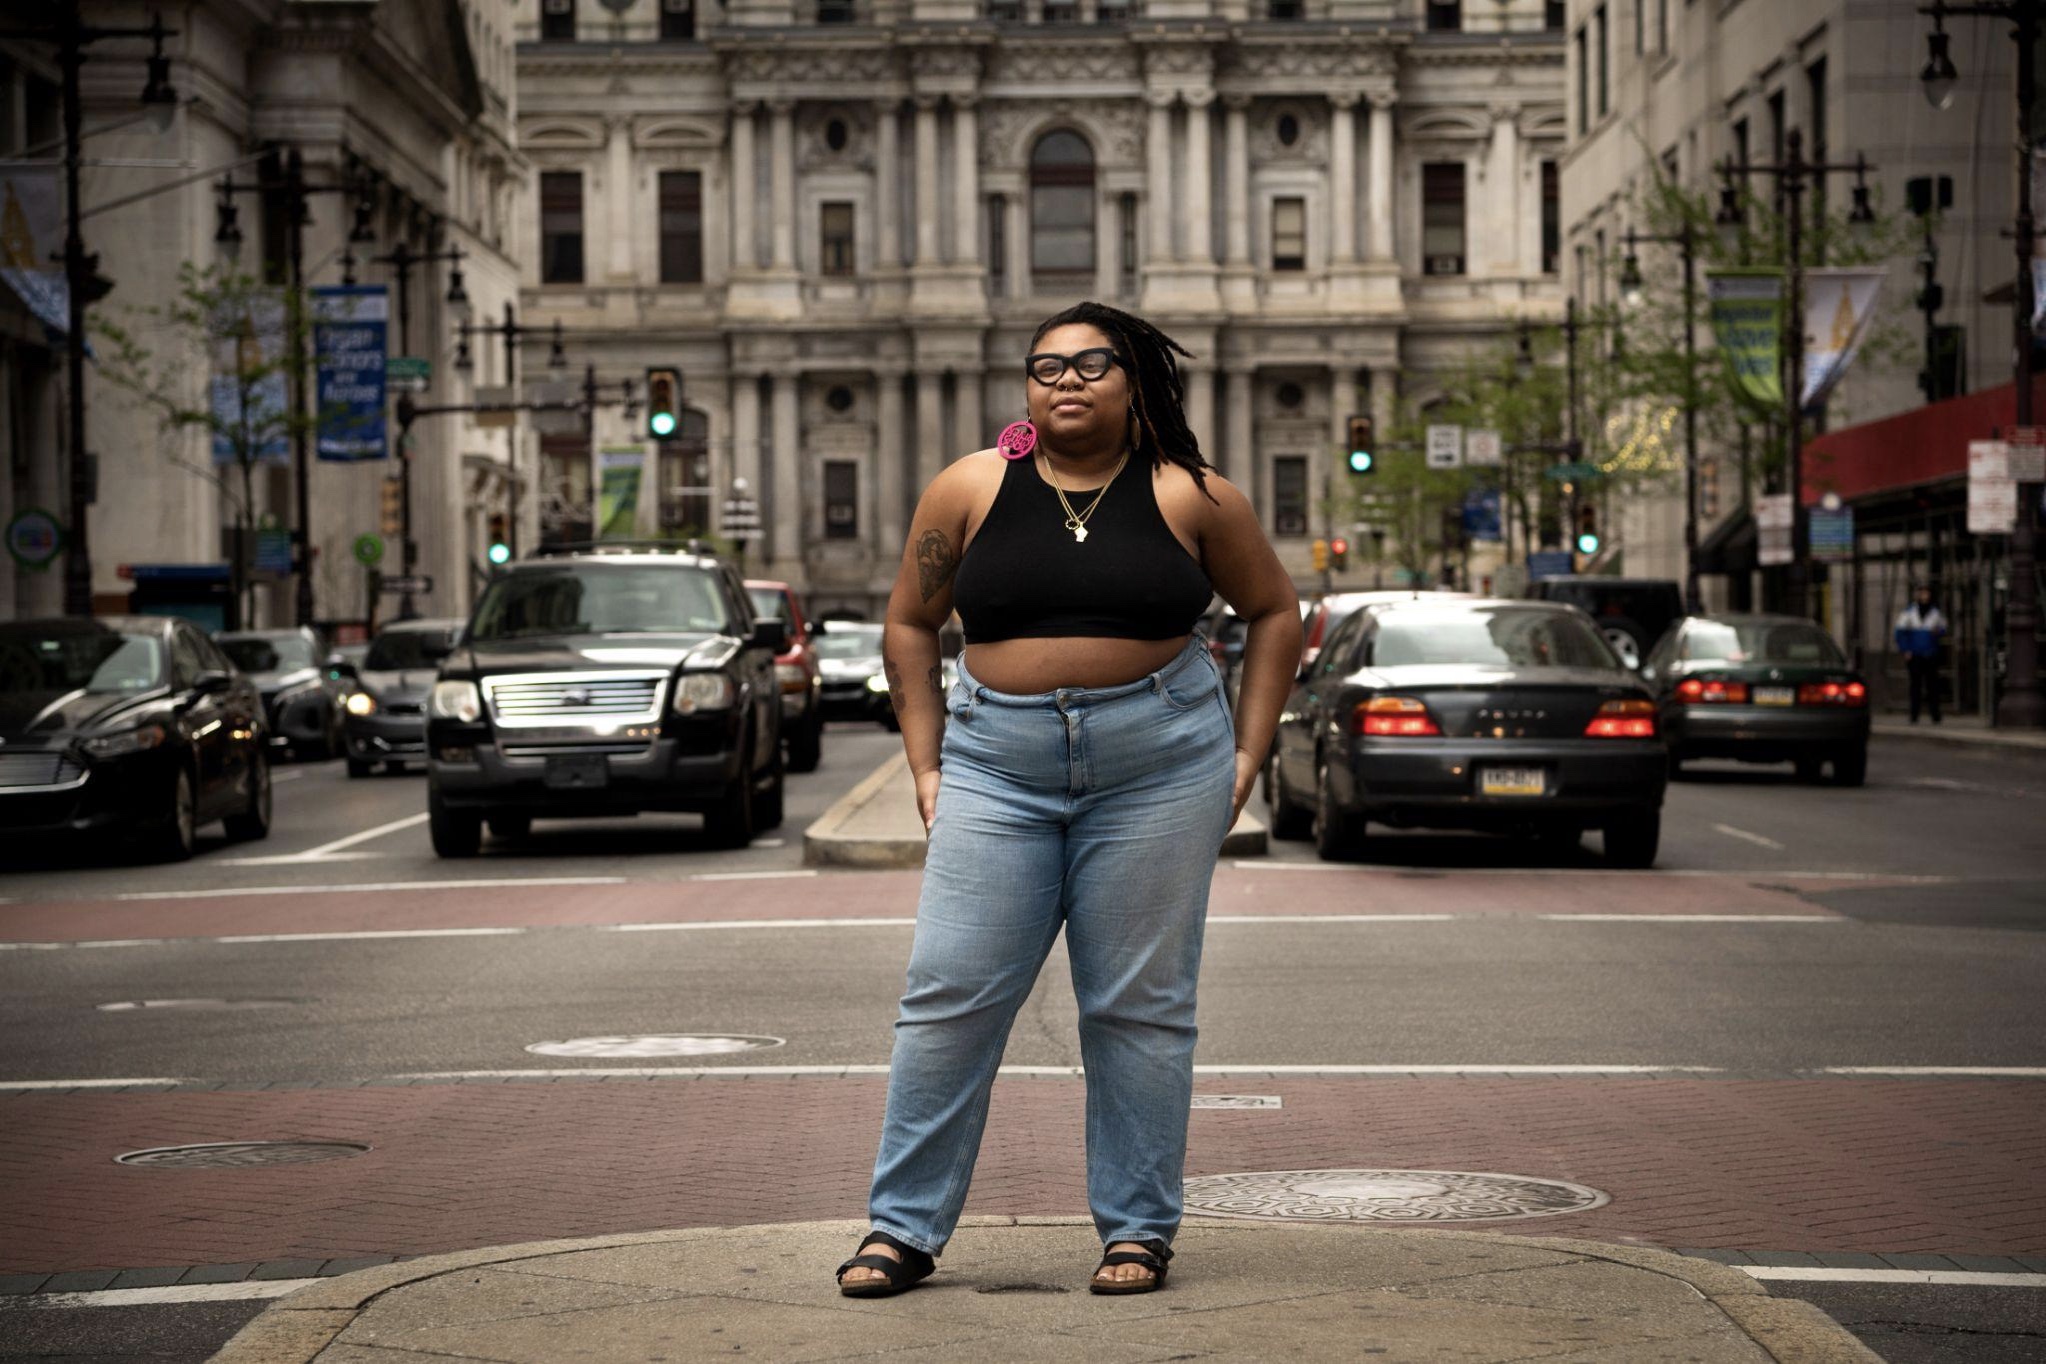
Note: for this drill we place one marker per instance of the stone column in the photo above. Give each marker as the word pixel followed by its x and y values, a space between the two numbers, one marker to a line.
pixel 1378 215
pixel 1199 211
pixel 890 498
pixel 1018 239
pixel 1238 452
pixel 966 247
pixel 1500 210
pixel 927 212
pixel 930 427
pixel 745 250
pixel 1236 181
pixel 969 423
pixel 782 129
pixel 788 530
pixel 887 188
pixel 1343 178
pixel 746 433
pixel 1158 161
pixel 619 199
pixel 1200 408
pixel 1107 244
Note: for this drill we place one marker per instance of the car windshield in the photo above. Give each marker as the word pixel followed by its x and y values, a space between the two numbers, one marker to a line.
pixel 400 650
pixel 607 600
pixel 1760 641
pixel 260 654
pixel 57 662
pixel 838 643
pixel 1502 637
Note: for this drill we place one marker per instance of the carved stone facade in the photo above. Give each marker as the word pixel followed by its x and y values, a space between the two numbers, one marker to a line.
pixel 889 205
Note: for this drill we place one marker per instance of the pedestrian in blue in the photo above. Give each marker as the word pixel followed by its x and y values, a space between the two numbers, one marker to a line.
pixel 1920 628
pixel 1080 774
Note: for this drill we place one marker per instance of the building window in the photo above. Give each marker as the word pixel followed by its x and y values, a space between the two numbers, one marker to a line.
pixel 1603 39
pixel 1288 130
pixel 1442 215
pixel 1127 231
pixel 1552 218
pixel 998 244
pixel 1445 16
pixel 835 12
pixel 1285 10
pixel 1062 204
pixel 1815 88
pixel 1662 25
pixel 1554 14
pixel 1583 42
pixel 1640 27
pixel 841 500
pixel 561 227
pixel 684 494
pixel 1111 11
pixel 557 21
pixel 565 507
pixel 681 227
pixel 835 236
pixel 1061 11
pixel 678 21
pixel 1289 495
pixel 1005 11
pixel 1289 234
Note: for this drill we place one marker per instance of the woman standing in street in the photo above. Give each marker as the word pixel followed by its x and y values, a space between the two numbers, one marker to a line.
pixel 1081 772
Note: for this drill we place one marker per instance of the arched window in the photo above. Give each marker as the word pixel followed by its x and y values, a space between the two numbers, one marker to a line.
pixel 1062 204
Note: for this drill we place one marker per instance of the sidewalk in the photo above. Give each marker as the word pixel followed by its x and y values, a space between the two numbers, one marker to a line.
pixel 875 825
pixel 1960 731
pixel 1014 1289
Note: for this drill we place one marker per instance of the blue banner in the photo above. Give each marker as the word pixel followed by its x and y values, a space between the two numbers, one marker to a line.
pixel 1481 515
pixel 349 326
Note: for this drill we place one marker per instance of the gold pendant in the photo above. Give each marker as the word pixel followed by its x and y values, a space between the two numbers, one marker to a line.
pixel 1080 534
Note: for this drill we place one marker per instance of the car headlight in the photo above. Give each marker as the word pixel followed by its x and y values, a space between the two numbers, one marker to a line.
pixel 360 703
pixel 456 701
pixel 126 742
pixel 878 684
pixel 703 691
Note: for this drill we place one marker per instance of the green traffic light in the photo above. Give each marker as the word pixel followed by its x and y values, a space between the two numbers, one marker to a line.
pixel 1360 461
pixel 1587 543
pixel 500 553
pixel 661 424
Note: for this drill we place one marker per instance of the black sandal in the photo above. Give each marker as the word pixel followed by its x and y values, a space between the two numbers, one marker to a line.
pixel 1153 1257
pixel 914 1267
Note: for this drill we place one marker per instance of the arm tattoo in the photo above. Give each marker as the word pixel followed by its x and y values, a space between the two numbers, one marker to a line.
pixel 893 672
pixel 936 677
pixel 935 563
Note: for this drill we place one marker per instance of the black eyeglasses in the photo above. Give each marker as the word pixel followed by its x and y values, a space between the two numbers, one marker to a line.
pixel 1092 364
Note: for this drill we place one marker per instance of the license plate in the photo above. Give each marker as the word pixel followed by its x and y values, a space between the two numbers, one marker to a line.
pixel 577 771
pixel 1512 781
pixel 1775 696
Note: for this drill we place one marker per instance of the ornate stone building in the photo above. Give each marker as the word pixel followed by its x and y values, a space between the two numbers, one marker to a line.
pixel 842 218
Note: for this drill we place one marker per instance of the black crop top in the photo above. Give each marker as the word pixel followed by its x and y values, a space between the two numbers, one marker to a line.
pixel 1024 576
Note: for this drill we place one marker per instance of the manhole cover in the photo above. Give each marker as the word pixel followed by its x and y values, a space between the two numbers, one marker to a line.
pixel 197 1005
pixel 232 1155
pixel 1237 1101
pixel 1386 1196
pixel 655 1044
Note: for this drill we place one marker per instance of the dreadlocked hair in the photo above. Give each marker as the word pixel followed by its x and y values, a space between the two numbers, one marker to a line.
pixel 1156 392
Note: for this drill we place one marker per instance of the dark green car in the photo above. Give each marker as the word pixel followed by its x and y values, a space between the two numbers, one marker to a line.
pixel 1760 689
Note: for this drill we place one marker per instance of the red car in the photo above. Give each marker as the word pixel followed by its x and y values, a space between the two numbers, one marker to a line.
pixel 795 669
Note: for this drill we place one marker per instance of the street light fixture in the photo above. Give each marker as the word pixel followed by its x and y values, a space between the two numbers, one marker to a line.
pixel 1939 74
pixel 158 95
pixel 557 354
pixel 227 234
pixel 1631 283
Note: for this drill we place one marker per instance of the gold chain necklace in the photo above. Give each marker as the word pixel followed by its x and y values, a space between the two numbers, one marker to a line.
pixel 1075 521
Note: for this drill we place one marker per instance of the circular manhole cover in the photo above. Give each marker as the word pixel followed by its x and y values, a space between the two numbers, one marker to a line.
pixel 196 1005
pixel 655 1044
pixel 1386 1196
pixel 235 1155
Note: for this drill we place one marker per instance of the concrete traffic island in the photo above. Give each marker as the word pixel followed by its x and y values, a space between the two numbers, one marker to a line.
pixel 875 825
pixel 1015 1288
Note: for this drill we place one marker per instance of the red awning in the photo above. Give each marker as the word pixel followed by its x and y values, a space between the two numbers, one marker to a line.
pixel 1924 445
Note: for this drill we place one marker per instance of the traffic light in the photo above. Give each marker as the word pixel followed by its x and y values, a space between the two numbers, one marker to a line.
pixel 392 519
pixel 1587 529
pixel 1321 556
pixel 663 403
pixel 1339 553
pixel 1363 458
pixel 499 551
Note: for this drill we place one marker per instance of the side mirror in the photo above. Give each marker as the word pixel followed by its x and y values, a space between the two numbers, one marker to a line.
pixel 770 634
pixel 212 682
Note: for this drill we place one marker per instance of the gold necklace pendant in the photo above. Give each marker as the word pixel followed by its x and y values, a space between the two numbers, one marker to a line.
pixel 1076 522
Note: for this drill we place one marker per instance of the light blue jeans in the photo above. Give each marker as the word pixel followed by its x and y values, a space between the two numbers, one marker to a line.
pixel 1102 809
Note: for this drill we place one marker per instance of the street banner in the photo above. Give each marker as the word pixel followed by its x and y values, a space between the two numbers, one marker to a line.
pixel 350 322
pixel 1445 447
pixel 1831 530
pixel 32 240
pixel 620 471
pixel 247 393
pixel 1747 323
pixel 1838 307
pixel 1481 515
pixel 1775 530
pixel 1992 492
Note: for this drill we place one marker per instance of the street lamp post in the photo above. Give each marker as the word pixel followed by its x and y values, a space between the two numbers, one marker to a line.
pixel 1793 175
pixel 1686 242
pixel 2021 705
pixel 401 258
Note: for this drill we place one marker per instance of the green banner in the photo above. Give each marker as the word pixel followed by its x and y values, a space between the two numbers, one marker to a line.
pixel 618 479
pixel 1747 322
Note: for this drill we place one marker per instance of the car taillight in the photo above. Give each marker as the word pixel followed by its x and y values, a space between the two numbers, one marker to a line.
pixel 1393 717
pixel 1628 719
pixel 1696 691
pixel 1832 694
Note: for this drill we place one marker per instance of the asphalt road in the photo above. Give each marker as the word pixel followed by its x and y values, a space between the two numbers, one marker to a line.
pixel 1787 929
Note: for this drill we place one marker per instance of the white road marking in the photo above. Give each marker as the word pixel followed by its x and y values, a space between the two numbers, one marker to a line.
pixel 712 1072
pixel 1743 834
pixel 1820 1274
pixel 671 927
pixel 366 887
pixel 1695 918
pixel 157 1297
pixel 90 1084
pixel 372 933
pixel 276 777
pixel 292 859
pixel 753 875
pixel 1774 874
pixel 769 843
pixel 1335 918
pixel 315 854
pixel 2007 1072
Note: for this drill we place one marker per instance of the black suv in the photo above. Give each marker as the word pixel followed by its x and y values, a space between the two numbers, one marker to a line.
pixel 607 682
pixel 1632 613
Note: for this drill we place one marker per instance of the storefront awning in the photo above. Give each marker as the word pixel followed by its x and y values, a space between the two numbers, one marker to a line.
pixel 1926 444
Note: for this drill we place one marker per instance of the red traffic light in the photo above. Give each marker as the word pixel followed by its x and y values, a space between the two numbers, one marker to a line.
pixel 1339 546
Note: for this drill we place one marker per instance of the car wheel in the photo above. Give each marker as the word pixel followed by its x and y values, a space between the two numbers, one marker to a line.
pixel 1626 638
pixel 1289 821
pixel 358 768
pixel 254 822
pixel 174 837
pixel 1632 838
pixel 1338 837
pixel 806 744
pixel 456 833
pixel 767 805
pixel 1850 766
pixel 1810 769
pixel 510 826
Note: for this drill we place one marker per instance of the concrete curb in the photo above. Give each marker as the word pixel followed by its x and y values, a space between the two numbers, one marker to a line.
pixel 1961 736
pixel 299 1327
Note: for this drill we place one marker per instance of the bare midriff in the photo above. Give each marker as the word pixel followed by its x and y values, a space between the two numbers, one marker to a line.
pixel 1028 666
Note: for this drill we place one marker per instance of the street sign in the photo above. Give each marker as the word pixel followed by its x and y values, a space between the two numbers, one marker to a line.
pixel 1775 523
pixel 502 398
pixel 1550 563
pixel 408 373
pixel 1445 447
pixel 1483 450
pixel 741 516
pixel 33 538
pixel 1579 472
pixel 1992 492
pixel 1831 531
pixel 555 403
pixel 2027 454
pixel 416 584
pixel 369 550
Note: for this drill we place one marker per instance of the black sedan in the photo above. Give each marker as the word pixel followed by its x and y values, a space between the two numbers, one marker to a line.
pixel 851 683
pixel 1761 689
pixel 127 726
pixel 384 707
pixel 300 698
pixel 1501 716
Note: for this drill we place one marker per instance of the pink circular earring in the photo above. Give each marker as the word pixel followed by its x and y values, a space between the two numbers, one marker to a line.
pixel 1017 440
